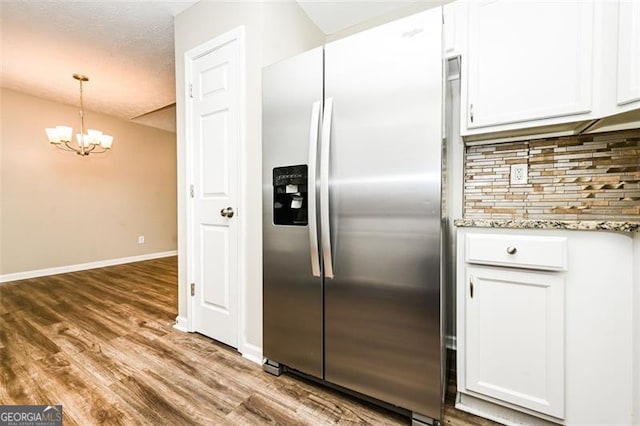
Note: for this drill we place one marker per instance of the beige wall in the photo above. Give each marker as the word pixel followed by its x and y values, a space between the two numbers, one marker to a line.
pixel 274 31
pixel 60 209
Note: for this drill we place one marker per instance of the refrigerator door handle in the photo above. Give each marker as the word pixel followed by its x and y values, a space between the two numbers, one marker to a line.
pixel 325 229
pixel 311 189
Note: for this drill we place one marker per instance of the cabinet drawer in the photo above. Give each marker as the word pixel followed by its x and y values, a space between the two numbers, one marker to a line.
pixel 517 251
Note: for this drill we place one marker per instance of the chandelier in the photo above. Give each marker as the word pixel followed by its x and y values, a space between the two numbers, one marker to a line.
pixel 60 136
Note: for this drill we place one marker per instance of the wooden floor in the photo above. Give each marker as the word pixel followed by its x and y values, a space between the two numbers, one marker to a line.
pixel 101 343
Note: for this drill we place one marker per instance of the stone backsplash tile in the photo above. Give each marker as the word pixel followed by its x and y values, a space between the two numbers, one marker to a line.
pixel 587 177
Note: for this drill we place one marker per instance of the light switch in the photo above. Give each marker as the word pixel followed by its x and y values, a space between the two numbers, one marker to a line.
pixel 519 174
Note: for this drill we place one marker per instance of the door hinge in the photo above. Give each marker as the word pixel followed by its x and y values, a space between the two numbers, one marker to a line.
pixel 190 90
pixel 192 191
pixel 193 289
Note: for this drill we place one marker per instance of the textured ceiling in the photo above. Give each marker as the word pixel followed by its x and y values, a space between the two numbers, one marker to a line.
pixel 126 48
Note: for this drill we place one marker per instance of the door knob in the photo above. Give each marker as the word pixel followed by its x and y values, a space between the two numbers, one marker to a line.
pixel 226 212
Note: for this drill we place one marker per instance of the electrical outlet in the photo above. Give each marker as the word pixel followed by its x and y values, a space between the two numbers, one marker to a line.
pixel 141 239
pixel 519 174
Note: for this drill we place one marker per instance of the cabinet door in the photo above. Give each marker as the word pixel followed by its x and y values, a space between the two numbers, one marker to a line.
pixel 515 337
pixel 628 52
pixel 528 60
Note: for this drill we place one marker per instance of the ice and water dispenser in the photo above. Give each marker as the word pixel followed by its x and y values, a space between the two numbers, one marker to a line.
pixel 290 204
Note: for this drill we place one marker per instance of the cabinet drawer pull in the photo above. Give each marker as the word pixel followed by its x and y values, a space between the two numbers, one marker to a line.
pixel 511 250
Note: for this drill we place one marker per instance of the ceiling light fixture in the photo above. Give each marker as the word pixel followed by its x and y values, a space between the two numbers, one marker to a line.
pixel 60 136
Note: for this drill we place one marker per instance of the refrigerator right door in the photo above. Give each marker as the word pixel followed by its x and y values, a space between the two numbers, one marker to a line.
pixel 382 307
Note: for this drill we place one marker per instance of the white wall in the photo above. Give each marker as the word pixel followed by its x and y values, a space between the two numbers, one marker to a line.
pixel 273 31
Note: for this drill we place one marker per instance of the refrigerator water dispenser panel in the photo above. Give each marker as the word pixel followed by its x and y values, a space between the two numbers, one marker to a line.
pixel 290 195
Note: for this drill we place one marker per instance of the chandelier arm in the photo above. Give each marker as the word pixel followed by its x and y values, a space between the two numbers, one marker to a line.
pixel 68 147
pixel 99 152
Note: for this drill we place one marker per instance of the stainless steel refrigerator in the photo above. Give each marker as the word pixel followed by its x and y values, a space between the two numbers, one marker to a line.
pixel 352 142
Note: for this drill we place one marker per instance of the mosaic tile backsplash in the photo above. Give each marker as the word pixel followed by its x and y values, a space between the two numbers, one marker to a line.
pixel 588 177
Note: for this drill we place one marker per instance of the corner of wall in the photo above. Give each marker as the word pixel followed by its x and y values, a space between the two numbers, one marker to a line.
pixel 273 31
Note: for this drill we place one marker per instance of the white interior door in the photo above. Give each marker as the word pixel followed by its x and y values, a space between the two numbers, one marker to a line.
pixel 214 137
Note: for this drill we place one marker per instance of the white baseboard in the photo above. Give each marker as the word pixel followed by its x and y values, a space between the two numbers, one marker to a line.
pixel 181 324
pixel 83 266
pixel 252 353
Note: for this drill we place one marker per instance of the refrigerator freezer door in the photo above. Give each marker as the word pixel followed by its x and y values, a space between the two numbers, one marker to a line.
pixel 382 308
pixel 292 295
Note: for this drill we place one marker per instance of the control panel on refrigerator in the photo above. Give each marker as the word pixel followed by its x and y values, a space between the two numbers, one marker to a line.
pixel 290 203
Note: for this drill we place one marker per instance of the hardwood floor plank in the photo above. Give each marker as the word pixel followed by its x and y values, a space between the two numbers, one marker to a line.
pixel 336 407
pixel 16 384
pixel 42 307
pixel 149 403
pixel 169 361
pixel 101 343
pixel 199 404
pixel 11 299
pixel 23 340
pixel 94 325
pixel 104 369
pixel 259 409
pixel 72 339
pixel 83 399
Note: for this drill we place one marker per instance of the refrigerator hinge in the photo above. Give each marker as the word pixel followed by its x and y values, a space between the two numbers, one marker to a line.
pixel 191 90
pixel 192 191
pixel 193 289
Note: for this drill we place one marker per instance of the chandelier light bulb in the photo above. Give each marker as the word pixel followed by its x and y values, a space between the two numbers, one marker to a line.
pixel 106 141
pixel 52 134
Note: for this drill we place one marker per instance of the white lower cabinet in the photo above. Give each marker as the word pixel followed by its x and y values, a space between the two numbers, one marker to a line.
pixel 515 337
pixel 545 326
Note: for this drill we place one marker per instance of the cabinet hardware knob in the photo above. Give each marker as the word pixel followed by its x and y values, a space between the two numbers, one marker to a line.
pixel 511 250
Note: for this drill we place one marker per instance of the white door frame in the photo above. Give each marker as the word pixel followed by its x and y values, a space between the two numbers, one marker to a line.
pixel 238 35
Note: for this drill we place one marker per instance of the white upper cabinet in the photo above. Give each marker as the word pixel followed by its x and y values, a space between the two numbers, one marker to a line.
pixel 528 61
pixel 628 90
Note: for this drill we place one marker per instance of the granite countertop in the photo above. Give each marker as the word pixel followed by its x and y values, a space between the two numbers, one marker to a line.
pixel 597 225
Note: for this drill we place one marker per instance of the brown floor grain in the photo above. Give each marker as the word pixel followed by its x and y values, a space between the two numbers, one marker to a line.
pixel 101 343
